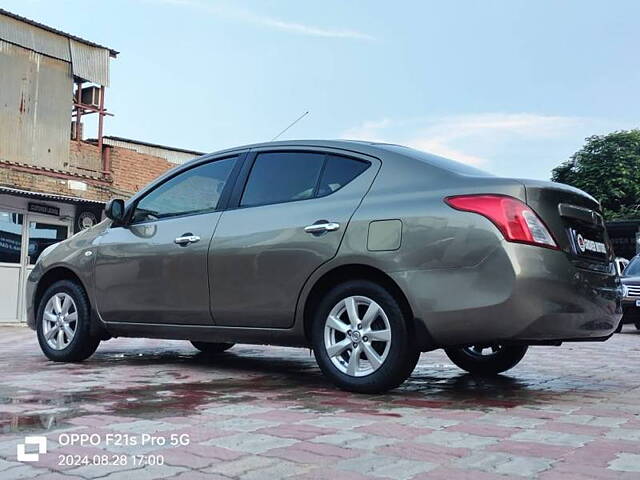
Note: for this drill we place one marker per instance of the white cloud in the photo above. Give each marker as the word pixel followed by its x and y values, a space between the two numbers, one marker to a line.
pixel 468 138
pixel 248 16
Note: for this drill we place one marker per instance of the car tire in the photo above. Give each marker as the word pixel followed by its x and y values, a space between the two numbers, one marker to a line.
pixel 63 323
pixel 500 359
pixel 637 324
pixel 212 348
pixel 386 352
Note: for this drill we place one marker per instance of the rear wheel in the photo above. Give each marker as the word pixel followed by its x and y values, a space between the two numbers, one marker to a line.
pixel 207 347
pixel 360 338
pixel 487 359
pixel 64 322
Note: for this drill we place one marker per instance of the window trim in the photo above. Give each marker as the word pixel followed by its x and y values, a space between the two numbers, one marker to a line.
pixel 243 178
pixel 222 201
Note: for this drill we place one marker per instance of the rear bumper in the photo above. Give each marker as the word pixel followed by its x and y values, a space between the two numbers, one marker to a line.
pixel 519 293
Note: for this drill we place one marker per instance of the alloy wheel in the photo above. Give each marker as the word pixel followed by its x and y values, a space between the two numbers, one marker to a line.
pixel 60 321
pixel 357 336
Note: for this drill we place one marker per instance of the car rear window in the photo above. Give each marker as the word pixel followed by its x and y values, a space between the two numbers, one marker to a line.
pixel 338 171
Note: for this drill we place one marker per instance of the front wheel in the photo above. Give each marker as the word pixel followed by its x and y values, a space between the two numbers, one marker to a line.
pixel 64 323
pixel 361 340
pixel 487 359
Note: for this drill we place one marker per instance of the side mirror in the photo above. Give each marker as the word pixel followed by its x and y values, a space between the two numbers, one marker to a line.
pixel 115 210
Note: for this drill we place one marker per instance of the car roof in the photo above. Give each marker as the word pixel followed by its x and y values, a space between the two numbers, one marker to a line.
pixel 352 145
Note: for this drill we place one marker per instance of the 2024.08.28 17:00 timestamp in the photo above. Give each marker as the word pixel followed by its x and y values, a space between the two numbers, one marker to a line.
pixel 110 460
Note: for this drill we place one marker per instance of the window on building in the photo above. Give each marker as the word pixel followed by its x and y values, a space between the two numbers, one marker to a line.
pixel 41 235
pixel 10 237
pixel 195 191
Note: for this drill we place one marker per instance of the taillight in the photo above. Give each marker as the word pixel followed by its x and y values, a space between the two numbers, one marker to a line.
pixel 516 221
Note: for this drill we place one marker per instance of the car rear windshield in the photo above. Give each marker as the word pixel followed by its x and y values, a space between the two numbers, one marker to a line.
pixel 439 162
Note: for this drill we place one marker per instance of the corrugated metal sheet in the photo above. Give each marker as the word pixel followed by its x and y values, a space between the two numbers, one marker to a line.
pixel 34 38
pixel 35 106
pixel 47 196
pixel 90 63
pixel 174 156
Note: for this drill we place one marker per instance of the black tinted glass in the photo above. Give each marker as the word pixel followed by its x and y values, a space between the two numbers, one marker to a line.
pixel 10 237
pixel 633 268
pixel 338 172
pixel 282 177
pixel 197 190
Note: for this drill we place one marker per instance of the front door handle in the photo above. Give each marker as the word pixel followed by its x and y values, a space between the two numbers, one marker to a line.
pixel 322 227
pixel 186 239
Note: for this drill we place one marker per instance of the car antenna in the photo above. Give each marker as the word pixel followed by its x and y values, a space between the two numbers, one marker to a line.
pixel 291 124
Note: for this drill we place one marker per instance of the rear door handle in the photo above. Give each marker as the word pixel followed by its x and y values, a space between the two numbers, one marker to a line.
pixel 187 239
pixel 322 227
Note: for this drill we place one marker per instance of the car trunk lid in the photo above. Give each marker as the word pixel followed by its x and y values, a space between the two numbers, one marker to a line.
pixel 575 220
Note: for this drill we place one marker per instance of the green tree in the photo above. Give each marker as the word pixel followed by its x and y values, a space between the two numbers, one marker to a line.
pixel 608 168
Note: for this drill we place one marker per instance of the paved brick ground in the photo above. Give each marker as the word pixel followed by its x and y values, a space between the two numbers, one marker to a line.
pixel 267 413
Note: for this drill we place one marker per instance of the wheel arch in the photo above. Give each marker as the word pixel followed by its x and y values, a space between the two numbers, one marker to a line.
pixel 56 274
pixel 355 271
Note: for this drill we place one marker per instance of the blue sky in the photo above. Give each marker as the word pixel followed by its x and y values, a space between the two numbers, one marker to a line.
pixel 513 87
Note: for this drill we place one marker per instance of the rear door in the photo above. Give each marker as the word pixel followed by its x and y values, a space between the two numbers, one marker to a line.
pixel 287 216
pixel 154 268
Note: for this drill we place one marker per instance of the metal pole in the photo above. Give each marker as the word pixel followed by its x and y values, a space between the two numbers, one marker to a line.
pixel 100 119
pixel 78 110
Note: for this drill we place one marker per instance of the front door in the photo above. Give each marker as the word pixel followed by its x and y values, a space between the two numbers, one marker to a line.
pixel 290 219
pixel 154 268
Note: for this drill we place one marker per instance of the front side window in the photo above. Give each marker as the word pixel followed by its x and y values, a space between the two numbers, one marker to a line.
pixel 282 177
pixel 195 191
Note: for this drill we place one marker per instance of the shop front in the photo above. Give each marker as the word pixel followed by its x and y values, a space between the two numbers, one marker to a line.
pixel 29 223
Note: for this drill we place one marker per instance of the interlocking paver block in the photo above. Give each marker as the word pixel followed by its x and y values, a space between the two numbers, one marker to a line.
pixel 552 438
pixel 250 442
pixel 457 439
pixel 626 462
pixel 379 466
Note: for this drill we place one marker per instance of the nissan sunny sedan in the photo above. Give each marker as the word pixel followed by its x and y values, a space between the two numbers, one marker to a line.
pixel 367 253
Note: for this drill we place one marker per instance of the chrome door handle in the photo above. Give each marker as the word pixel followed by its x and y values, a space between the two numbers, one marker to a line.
pixel 187 239
pixel 322 227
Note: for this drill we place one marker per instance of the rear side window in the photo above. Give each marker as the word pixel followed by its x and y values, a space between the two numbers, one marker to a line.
pixel 282 177
pixel 339 171
pixel 197 190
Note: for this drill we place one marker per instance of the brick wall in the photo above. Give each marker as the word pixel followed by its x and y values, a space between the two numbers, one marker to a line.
pixel 27 178
pixel 130 171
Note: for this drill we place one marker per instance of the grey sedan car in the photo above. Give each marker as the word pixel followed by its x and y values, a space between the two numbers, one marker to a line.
pixel 368 253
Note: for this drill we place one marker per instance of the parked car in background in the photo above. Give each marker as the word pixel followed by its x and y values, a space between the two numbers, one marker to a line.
pixel 368 253
pixel 631 290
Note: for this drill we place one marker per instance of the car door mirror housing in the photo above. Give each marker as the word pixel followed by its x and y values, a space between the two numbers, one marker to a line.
pixel 115 210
